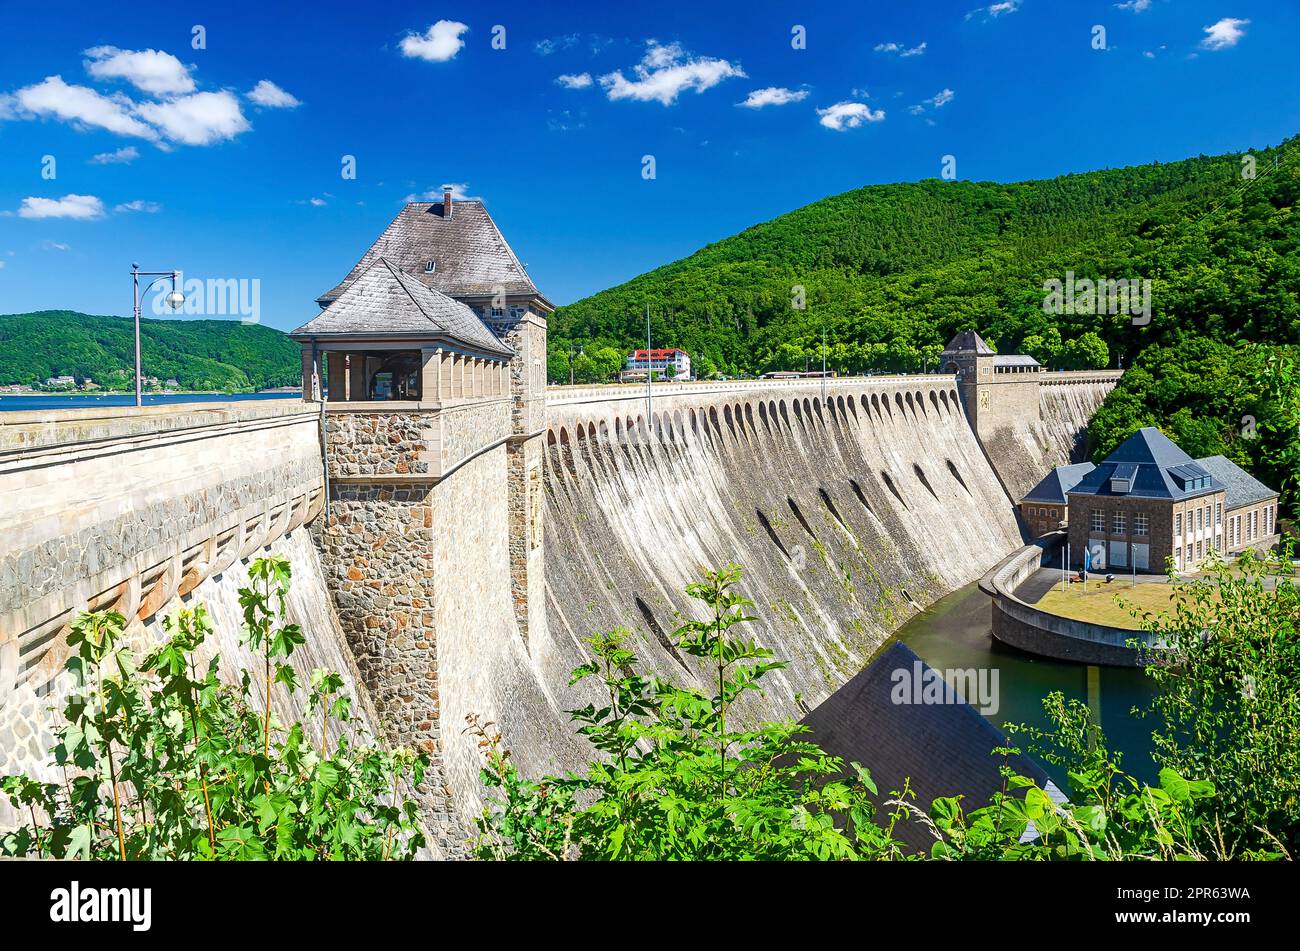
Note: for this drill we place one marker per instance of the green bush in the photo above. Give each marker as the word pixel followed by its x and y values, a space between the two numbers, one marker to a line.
pixel 162 760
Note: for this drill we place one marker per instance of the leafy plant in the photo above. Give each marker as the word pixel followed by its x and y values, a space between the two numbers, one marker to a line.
pixel 676 779
pixel 1227 704
pixel 163 760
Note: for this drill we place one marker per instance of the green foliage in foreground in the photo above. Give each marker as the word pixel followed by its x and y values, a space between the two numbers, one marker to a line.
pixel 223 355
pixel 1227 703
pixel 677 778
pixel 162 760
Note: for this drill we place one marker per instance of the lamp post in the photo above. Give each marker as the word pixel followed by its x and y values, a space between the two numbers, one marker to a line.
pixel 174 301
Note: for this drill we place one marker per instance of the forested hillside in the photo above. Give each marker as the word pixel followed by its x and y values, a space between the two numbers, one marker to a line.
pixel 891 272
pixel 219 355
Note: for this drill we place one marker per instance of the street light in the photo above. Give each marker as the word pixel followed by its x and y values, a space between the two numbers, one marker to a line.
pixel 174 300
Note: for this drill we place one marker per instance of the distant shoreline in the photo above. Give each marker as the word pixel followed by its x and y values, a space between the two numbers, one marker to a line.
pixel 28 394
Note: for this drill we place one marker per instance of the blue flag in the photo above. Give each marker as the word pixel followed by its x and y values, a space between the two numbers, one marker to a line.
pixel 1087 560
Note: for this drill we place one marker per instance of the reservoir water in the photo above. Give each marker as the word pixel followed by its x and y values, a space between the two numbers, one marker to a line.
pixel 29 404
pixel 955 632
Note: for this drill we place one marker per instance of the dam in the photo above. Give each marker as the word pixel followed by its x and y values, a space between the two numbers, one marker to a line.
pixel 457 528
pixel 851 506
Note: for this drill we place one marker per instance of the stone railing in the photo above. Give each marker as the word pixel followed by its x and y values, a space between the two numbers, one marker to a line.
pixel 562 395
pixel 1080 376
pixel 126 509
pixel 1041 632
pixel 411 442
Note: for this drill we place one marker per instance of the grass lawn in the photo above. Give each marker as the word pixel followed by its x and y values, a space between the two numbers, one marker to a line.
pixel 1101 604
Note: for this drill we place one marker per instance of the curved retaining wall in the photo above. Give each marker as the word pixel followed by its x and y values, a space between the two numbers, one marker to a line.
pixel 1049 635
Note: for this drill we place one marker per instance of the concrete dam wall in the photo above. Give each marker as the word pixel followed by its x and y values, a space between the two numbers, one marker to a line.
pixel 847 514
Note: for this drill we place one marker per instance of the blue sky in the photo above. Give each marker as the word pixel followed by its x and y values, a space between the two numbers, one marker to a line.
pixel 225 161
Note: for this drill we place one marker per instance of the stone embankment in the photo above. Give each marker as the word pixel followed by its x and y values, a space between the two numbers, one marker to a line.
pixel 1041 632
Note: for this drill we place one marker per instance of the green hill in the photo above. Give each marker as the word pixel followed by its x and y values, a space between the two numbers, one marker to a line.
pixel 218 355
pixel 891 272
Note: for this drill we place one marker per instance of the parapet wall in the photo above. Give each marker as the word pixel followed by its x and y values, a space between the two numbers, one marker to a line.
pixel 1050 635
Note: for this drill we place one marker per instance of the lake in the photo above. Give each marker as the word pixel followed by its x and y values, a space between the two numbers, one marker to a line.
pixel 82 400
pixel 956 632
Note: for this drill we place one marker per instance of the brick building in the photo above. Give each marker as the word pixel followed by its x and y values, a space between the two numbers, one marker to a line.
pixel 1149 501
pixel 1045 507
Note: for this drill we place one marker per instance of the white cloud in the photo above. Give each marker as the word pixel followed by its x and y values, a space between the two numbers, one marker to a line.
pixel 54 246
pixel 1137 6
pixel 902 51
pixel 121 156
pixel 438 44
pixel 773 96
pixel 995 10
pixel 270 96
pixel 318 202
pixel 81 207
pixel 200 119
pixel 916 110
pixel 148 207
pixel 83 106
pixel 941 98
pixel 849 115
pixel 549 46
pixel 574 80
pixel 459 192
pixel 665 72
pixel 1224 35
pixel 152 71
pixel 3 263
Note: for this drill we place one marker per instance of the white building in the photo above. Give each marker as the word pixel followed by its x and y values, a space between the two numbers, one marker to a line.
pixel 659 362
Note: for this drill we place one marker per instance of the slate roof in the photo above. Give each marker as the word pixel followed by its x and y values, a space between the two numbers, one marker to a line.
pixel 384 300
pixel 968 340
pixel 1153 456
pixel 1015 360
pixel 1240 487
pixel 470 255
pixel 945 749
pixel 1058 482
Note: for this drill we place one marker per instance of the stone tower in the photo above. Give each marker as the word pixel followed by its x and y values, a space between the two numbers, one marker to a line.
pixel 433 350
pixel 999 392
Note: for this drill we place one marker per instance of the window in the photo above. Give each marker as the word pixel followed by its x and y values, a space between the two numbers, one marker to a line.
pixel 1117 523
pixel 1200 550
pixel 1200 519
pixel 1178 524
pixel 1141 524
pixel 429 267
pixel 1188 558
pixel 1218 513
pixel 1098 520
pixel 1054 513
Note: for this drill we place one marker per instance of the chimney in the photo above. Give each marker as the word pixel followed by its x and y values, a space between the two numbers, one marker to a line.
pixel 446 201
